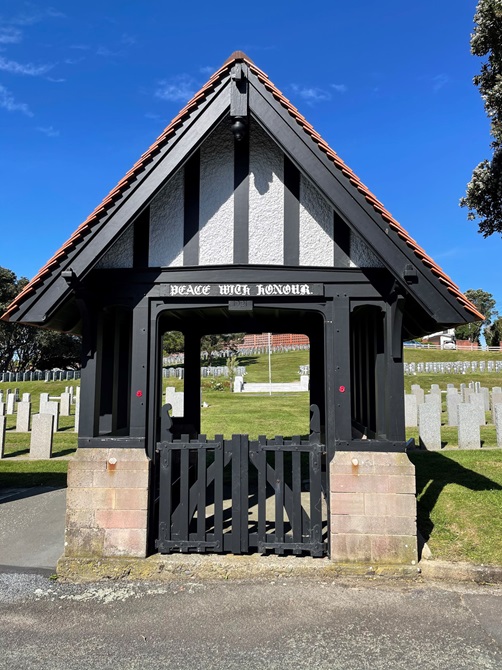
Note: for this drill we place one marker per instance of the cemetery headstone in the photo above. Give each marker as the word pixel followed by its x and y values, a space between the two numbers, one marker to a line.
pixel 468 427
pixel 77 414
pixel 429 426
pixel 478 401
pixel 496 400
pixel 44 397
pixel 41 436
pixel 23 420
pixel 64 405
pixel 453 400
pixel 11 398
pixel 304 382
pixel 51 407
pixel 419 393
pixel 410 411
pixel 498 424
pixel 2 409
pixel 486 397
pixel 238 384
pixel 26 397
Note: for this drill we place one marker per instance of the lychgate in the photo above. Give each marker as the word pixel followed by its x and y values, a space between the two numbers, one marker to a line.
pixel 240 218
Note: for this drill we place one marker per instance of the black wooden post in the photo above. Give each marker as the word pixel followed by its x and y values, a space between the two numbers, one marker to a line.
pixel 338 399
pixel 395 371
pixel 89 380
pixel 139 369
pixel 191 413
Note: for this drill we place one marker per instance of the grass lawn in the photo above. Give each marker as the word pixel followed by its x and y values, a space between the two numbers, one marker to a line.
pixel 460 504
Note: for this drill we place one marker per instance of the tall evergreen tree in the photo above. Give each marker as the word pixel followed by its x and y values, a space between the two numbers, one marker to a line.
pixel 484 192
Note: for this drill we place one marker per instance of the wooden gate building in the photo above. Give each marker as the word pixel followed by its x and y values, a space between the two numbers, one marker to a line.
pixel 240 218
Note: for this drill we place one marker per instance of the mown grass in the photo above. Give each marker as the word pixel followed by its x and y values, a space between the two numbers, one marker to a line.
pixel 459 497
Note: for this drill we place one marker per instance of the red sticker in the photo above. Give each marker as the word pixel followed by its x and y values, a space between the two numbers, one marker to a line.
pixel 341 389
pixel 139 394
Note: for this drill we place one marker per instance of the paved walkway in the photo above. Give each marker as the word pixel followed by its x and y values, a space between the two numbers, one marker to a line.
pixel 31 528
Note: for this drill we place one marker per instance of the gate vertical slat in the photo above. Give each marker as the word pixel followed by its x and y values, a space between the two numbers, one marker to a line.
pixel 165 499
pixel 184 507
pixel 219 465
pixel 244 455
pixel 296 521
pixel 315 497
pixel 279 492
pixel 236 495
pixel 261 457
pixel 201 492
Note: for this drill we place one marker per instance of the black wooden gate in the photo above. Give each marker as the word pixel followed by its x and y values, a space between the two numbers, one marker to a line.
pixel 241 495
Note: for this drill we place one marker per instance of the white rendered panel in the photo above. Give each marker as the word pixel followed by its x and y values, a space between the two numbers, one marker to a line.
pixel 120 254
pixel 166 224
pixel 361 255
pixel 266 199
pixel 316 226
pixel 216 210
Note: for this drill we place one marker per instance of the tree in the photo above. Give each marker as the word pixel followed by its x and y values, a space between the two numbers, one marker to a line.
pixel 493 333
pixel 484 192
pixel 485 303
pixel 173 342
pixel 214 344
pixel 26 347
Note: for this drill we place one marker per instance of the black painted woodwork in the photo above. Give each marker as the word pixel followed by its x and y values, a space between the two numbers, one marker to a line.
pixel 341 239
pixel 191 210
pixel 291 213
pixel 141 243
pixel 241 200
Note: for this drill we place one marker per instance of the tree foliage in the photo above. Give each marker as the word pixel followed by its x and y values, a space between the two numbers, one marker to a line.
pixel 484 192
pixel 25 347
pixel 485 303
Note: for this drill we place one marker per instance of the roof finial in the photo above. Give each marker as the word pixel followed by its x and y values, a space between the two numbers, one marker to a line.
pixel 237 55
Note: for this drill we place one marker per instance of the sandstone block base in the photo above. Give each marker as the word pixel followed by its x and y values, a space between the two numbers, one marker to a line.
pixel 373 508
pixel 107 503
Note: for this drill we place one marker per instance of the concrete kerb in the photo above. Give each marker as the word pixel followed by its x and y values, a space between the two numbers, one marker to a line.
pixel 176 567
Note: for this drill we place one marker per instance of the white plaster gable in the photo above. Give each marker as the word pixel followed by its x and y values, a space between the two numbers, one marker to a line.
pixel 216 204
pixel 266 199
pixel 361 255
pixel 166 224
pixel 120 254
pixel 316 226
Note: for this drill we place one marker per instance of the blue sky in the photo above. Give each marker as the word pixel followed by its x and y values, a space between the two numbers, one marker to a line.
pixel 86 87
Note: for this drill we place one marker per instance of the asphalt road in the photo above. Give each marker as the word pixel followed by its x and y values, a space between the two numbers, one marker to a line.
pixel 287 623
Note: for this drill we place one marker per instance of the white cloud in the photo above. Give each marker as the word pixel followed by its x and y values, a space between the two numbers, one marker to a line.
pixel 28 19
pixel 129 40
pixel 311 94
pixel 439 81
pixel 177 89
pixel 8 102
pixel 19 68
pixel 10 35
pixel 56 80
pixel 49 131
pixel 339 88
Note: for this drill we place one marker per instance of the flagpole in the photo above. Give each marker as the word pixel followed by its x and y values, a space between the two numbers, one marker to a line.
pixel 269 367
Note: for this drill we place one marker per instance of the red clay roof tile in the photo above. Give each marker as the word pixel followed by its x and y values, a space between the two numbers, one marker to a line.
pixel 170 130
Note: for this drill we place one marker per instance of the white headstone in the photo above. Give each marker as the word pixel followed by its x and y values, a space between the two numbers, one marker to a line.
pixel 486 397
pixel 11 400
pixel 304 382
pixel 41 436
pixel 410 411
pixel 2 409
pixel 23 420
pixel 51 407
pixel 429 426
pixel 44 397
pixel 238 383
pixel 26 397
pixel 498 424
pixel 496 400
pixel 468 427
pixel 77 414
pixel 64 405
pixel 419 393
pixel 478 401
pixel 453 400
